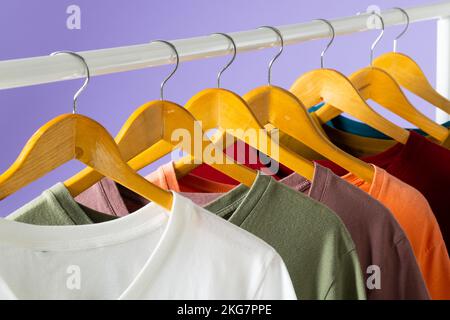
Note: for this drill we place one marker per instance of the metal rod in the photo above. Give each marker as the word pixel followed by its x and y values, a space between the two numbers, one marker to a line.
pixel 45 69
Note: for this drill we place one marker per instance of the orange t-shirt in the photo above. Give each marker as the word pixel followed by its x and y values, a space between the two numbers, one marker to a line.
pixel 415 216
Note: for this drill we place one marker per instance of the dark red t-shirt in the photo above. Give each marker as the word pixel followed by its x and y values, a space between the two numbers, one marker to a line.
pixel 423 165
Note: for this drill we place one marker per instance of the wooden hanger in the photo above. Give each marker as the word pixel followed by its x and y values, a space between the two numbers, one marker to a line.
pixel 73 136
pixel 224 110
pixel 338 91
pixel 280 108
pixel 376 84
pixel 147 136
pixel 409 74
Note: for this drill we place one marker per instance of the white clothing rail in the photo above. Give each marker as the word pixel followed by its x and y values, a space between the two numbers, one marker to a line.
pixel 443 64
pixel 46 69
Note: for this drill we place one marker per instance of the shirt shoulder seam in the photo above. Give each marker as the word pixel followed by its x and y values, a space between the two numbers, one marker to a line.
pixel 272 254
pixel 338 267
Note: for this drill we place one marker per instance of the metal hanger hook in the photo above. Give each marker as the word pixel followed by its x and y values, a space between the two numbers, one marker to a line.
pixel 404 30
pixel 377 40
pixel 177 63
pixel 333 35
pixel 219 75
pixel 280 36
pixel 88 76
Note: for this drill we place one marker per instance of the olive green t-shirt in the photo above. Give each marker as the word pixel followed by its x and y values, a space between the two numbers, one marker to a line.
pixel 56 207
pixel 312 240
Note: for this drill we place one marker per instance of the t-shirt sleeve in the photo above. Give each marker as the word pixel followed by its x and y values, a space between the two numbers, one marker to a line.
pixel 276 283
pixel 407 282
pixel 437 264
pixel 348 283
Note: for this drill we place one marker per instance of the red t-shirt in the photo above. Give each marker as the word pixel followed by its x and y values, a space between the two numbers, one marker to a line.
pixel 423 165
pixel 242 153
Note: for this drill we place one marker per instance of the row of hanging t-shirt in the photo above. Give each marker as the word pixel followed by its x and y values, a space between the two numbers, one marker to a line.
pixel 335 237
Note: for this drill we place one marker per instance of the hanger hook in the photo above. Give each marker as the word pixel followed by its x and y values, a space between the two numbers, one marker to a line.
pixel 333 35
pixel 278 32
pixel 404 30
pixel 177 63
pixel 377 40
pixel 219 75
pixel 88 76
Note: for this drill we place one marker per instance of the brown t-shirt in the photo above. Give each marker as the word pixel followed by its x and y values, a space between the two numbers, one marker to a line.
pixel 387 260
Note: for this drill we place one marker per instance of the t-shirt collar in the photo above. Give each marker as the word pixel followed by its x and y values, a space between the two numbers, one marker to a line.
pixel 83 237
pixel 376 187
pixel 393 158
pixel 239 203
pixel 315 188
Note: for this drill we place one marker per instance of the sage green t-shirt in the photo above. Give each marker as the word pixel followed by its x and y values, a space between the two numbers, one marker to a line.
pixel 56 207
pixel 311 239
pixel 313 242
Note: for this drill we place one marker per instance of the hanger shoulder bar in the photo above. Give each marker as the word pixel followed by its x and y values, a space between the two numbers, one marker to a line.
pixel 69 137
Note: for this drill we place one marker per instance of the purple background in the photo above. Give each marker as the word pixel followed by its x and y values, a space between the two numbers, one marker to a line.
pixel 34 28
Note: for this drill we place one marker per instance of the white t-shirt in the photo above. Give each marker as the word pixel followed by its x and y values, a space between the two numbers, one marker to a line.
pixel 188 253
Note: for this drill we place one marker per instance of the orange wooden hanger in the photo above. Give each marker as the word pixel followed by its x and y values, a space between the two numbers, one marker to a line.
pixel 147 136
pixel 224 110
pixel 73 136
pixel 281 109
pixel 378 85
pixel 338 91
pixel 409 74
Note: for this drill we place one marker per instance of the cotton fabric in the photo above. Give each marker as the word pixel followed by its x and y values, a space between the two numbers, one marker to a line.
pixel 314 243
pixel 187 253
pixel 413 213
pixel 379 240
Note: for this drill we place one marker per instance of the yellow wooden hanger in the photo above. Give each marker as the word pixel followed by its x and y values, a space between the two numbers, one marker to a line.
pixel 409 74
pixel 333 87
pixel 73 136
pixel 378 85
pixel 224 110
pixel 147 136
pixel 281 109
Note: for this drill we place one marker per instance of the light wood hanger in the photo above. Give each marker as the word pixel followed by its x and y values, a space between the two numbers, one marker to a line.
pixel 409 74
pixel 377 85
pixel 224 110
pixel 73 136
pixel 147 136
pixel 338 91
pixel 281 109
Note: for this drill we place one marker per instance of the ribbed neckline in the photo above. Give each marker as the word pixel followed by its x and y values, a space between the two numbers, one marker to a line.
pixel 238 204
pixel 84 237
